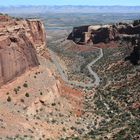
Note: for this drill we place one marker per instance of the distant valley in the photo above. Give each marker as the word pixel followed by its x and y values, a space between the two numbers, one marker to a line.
pixel 70 9
pixel 70 73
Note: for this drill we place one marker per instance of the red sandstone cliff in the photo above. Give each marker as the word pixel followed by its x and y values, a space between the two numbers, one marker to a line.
pixel 105 33
pixel 20 41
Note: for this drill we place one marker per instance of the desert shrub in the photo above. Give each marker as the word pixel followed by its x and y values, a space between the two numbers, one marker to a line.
pixel 25 85
pixel 9 99
pixel 27 95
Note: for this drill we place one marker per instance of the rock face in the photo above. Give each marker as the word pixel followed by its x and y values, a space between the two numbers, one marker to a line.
pixel 105 33
pixel 20 41
pixel 134 57
pixel 129 32
pixel 78 34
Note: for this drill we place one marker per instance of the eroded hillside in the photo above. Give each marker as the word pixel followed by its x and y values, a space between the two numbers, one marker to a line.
pixel 20 40
pixel 39 104
pixel 111 110
pixel 35 103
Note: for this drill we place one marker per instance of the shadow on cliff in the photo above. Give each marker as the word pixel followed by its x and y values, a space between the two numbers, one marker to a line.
pixel 70 36
pixel 134 56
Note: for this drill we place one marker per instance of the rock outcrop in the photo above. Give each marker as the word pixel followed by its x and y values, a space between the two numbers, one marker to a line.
pixel 134 57
pixel 129 32
pixel 78 34
pixel 20 41
pixel 105 33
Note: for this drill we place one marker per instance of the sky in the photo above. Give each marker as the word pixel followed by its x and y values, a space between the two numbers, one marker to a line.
pixel 69 2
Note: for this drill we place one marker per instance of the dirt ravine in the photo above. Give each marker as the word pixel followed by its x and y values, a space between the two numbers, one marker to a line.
pixel 89 66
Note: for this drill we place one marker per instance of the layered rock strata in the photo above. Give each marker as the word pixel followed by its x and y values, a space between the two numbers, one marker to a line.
pixel 20 41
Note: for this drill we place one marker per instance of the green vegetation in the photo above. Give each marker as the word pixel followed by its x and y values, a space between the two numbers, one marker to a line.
pixel 9 99
pixel 16 90
pixel 22 100
pixel 115 97
pixel 27 95
pixel 25 85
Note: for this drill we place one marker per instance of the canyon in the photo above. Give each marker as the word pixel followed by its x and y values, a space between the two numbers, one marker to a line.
pixel 129 32
pixel 115 99
pixel 48 78
pixel 34 100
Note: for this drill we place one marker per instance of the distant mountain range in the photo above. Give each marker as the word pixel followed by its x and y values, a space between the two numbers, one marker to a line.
pixel 70 9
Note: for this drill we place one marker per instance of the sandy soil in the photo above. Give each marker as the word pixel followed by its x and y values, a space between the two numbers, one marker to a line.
pixel 38 105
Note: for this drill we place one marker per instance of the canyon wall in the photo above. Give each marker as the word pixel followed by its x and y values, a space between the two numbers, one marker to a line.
pixel 128 32
pixel 105 33
pixel 20 41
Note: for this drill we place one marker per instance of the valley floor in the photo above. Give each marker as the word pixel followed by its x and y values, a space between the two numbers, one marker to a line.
pixel 39 105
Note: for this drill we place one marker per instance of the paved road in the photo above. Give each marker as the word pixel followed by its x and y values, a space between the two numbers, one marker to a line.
pixel 97 79
pixel 89 66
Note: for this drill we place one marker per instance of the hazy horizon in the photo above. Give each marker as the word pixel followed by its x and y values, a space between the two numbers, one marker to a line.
pixel 68 9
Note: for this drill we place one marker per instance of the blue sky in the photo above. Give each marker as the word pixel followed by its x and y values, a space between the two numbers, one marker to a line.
pixel 70 2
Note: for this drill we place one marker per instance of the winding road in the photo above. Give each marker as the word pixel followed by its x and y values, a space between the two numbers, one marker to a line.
pixel 89 66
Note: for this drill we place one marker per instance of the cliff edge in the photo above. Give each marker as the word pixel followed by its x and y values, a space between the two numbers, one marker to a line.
pixel 20 41
pixel 105 33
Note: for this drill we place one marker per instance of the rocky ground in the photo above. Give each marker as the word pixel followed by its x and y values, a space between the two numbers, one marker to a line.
pixel 34 102
pixel 112 109
pixel 117 98
pixel 73 58
pixel 38 105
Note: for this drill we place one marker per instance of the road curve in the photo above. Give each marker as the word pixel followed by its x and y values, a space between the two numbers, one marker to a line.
pixel 89 66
